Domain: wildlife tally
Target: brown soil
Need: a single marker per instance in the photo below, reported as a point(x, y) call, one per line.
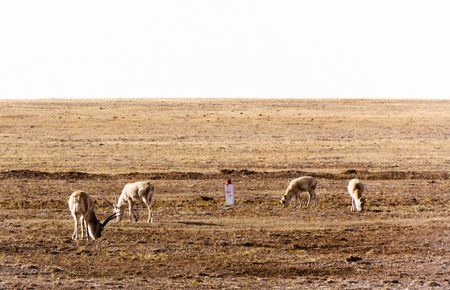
point(188, 148)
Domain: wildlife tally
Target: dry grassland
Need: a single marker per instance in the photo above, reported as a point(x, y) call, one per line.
point(401, 149)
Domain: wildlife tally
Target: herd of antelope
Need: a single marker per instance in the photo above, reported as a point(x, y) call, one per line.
point(82, 208)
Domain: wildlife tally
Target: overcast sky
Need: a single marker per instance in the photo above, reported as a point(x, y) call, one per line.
point(270, 49)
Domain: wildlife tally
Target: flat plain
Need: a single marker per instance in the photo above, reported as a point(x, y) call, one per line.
point(400, 149)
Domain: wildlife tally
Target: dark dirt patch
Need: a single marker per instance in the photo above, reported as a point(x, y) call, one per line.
point(224, 174)
point(353, 259)
point(198, 223)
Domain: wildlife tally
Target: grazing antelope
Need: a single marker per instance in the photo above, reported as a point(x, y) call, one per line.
point(356, 189)
point(81, 207)
point(297, 186)
point(133, 192)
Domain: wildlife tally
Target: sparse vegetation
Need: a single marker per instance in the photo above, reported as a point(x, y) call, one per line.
point(400, 240)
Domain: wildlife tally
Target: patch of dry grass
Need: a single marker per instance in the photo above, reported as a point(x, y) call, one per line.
point(208, 135)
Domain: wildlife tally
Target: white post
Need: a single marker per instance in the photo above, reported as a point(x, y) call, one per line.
point(229, 193)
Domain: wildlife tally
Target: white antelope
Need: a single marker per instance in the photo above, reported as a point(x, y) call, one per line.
point(297, 186)
point(133, 192)
point(81, 207)
point(356, 189)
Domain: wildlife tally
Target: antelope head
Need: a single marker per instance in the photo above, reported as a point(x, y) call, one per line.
point(95, 230)
point(285, 200)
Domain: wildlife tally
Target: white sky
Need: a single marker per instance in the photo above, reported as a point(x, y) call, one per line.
point(191, 48)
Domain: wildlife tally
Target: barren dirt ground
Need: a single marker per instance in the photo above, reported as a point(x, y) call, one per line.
point(401, 149)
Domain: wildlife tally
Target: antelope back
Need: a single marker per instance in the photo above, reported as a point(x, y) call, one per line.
point(81, 202)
